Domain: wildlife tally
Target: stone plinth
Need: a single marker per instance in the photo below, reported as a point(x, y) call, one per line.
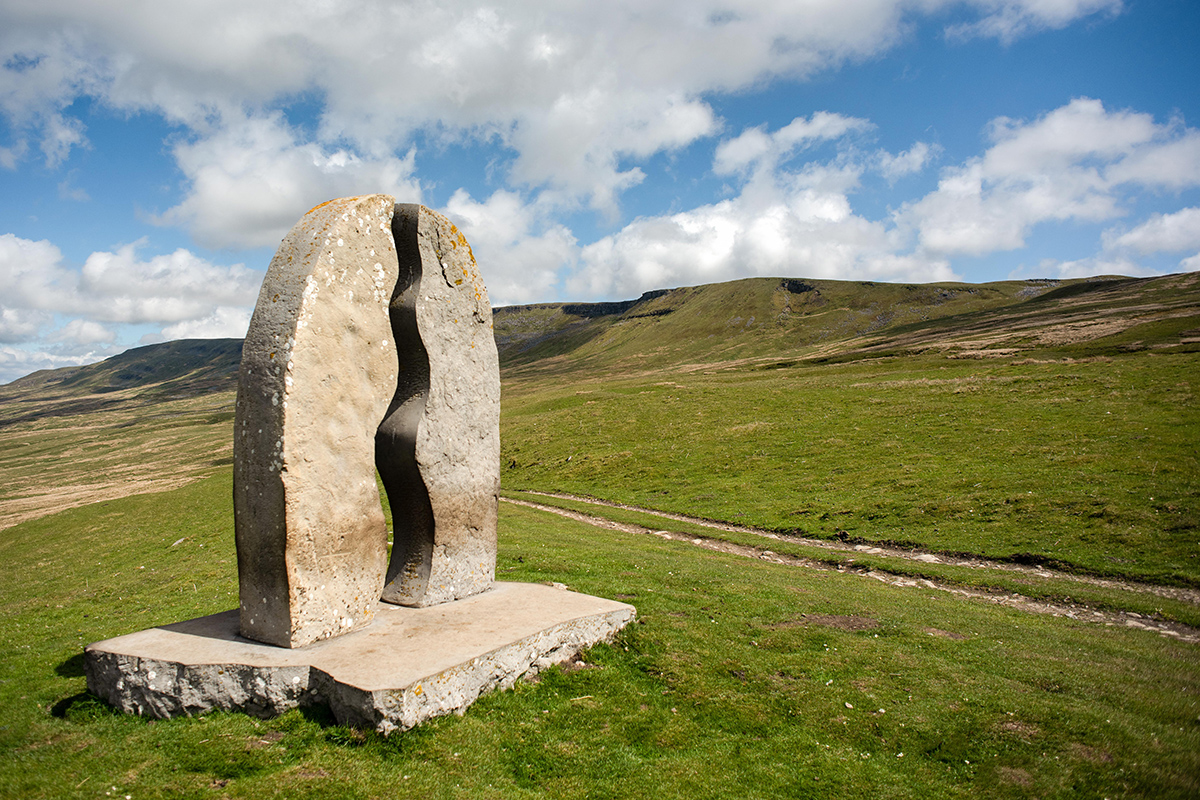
point(408, 665)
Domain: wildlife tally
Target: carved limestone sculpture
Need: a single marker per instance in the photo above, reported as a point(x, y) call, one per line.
point(370, 345)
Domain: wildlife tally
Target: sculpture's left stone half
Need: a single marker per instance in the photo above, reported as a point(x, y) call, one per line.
point(318, 373)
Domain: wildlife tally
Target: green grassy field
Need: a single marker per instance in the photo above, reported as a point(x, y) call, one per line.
point(1090, 465)
point(740, 679)
point(1057, 432)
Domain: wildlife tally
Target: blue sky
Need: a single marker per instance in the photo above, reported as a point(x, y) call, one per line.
point(152, 155)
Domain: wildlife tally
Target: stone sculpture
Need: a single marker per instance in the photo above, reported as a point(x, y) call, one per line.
point(371, 344)
point(371, 347)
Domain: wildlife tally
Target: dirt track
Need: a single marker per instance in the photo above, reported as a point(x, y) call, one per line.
point(1075, 611)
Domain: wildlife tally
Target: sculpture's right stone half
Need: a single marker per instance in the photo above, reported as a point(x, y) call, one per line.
point(438, 447)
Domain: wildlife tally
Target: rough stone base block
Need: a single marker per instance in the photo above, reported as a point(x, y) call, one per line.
point(409, 665)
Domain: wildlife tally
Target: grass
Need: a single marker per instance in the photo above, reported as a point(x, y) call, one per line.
point(741, 678)
point(117, 444)
point(1087, 465)
point(999, 581)
point(952, 419)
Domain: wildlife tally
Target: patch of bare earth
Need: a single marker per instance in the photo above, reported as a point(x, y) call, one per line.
point(1015, 776)
point(944, 634)
point(842, 622)
point(14, 511)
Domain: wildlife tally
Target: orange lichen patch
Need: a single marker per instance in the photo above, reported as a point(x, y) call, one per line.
point(320, 205)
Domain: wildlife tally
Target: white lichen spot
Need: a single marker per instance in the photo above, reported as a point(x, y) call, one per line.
point(341, 243)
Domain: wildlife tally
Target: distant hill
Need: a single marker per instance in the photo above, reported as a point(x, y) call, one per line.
point(142, 375)
point(770, 321)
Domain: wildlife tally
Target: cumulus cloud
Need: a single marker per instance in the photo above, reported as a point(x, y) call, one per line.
point(1073, 163)
point(21, 324)
point(571, 89)
point(1161, 233)
point(170, 288)
point(251, 179)
point(786, 220)
point(225, 322)
point(755, 148)
point(909, 162)
point(1095, 265)
point(1077, 163)
point(518, 248)
point(84, 332)
point(1008, 21)
point(179, 291)
point(16, 362)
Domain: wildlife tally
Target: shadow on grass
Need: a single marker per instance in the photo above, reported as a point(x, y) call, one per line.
point(71, 668)
point(82, 707)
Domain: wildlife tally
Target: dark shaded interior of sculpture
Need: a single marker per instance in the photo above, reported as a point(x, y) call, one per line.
point(396, 437)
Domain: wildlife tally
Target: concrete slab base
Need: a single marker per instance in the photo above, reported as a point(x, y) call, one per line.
point(409, 665)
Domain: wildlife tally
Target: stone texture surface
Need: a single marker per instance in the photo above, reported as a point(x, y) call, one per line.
point(438, 449)
point(408, 665)
point(319, 369)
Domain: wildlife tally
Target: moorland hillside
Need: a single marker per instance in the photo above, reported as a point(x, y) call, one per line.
point(884, 541)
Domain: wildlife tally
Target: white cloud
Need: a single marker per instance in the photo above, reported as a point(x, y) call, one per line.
point(1171, 163)
point(21, 324)
point(116, 288)
point(1074, 163)
point(1007, 21)
point(9, 156)
point(519, 251)
point(754, 148)
point(83, 332)
point(572, 88)
point(909, 162)
point(250, 181)
point(1162, 233)
point(32, 275)
point(167, 288)
point(224, 322)
point(1096, 265)
point(16, 362)
point(59, 135)
point(784, 222)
